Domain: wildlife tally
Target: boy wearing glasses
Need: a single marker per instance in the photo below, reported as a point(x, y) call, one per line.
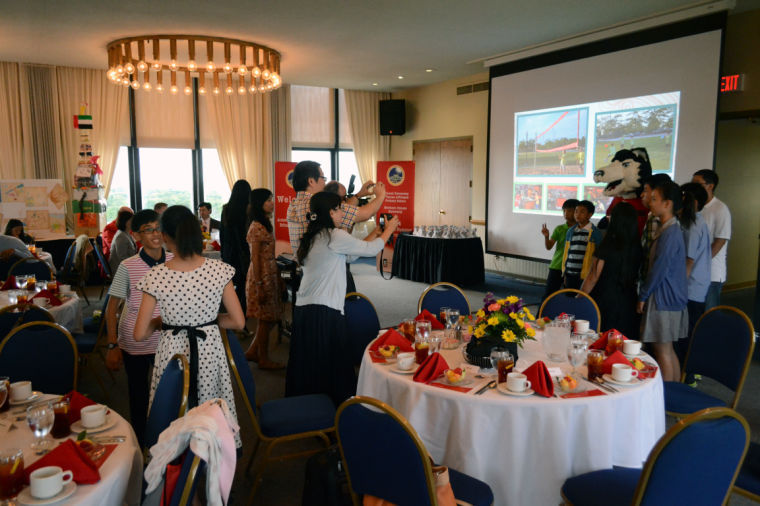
point(137, 356)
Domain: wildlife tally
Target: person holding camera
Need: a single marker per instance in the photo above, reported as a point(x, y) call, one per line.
point(320, 359)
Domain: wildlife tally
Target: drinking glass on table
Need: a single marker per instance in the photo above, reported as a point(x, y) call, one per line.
point(5, 386)
point(31, 282)
point(442, 314)
point(40, 418)
point(451, 338)
point(408, 329)
point(21, 282)
point(576, 353)
point(422, 341)
point(11, 474)
point(504, 363)
point(61, 426)
point(556, 339)
point(595, 361)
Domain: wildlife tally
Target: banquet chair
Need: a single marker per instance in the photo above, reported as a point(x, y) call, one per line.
point(575, 302)
point(361, 319)
point(17, 314)
point(443, 294)
point(169, 399)
point(43, 353)
point(721, 348)
point(280, 420)
point(748, 480)
point(39, 268)
point(87, 344)
point(384, 457)
point(191, 470)
point(66, 274)
point(105, 267)
point(695, 462)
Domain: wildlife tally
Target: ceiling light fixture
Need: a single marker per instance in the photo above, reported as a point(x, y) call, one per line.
point(429, 70)
point(400, 77)
point(257, 67)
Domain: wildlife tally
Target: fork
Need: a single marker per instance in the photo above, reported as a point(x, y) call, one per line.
point(604, 384)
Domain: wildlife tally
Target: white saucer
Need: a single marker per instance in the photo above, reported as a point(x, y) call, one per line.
point(633, 382)
point(25, 496)
point(394, 368)
point(640, 354)
point(35, 396)
point(77, 426)
point(504, 390)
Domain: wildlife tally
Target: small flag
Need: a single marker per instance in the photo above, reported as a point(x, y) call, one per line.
point(83, 122)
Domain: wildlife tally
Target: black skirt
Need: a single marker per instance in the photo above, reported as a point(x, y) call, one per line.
point(320, 360)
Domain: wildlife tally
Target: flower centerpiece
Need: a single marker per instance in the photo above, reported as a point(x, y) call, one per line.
point(499, 323)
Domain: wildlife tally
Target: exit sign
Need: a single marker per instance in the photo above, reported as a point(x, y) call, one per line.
point(733, 82)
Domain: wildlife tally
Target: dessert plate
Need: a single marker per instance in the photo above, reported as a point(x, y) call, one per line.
point(25, 496)
point(632, 382)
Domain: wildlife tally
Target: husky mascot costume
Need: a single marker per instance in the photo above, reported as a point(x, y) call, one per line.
point(625, 177)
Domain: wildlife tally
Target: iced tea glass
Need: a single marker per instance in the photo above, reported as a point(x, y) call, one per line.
point(422, 341)
point(5, 393)
point(61, 427)
point(52, 287)
point(408, 329)
point(595, 361)
point(504, 363)
point(614, 343)
point(442, 314)
point(31, 283)
point(11, 473)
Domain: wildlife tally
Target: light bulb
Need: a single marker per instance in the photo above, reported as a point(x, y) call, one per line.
point(265, 74)
point(276, 86)
point(216, 90)
point(135, 85)
point(159, 87)
point(120, 69)
point(256, 72)
point(142, 66)
point(156, 65)
point(227, 67)
point(262, 88)
point(173, 65)
point(129, 68)
point(228, 90)
point(241, 90)
point(269, 86)
point(191, 66)
point(242, 70)
point(111, 74)
point(146, 86)
point(253, 89)
point(188, 90)
point(210, 66)
point(174, 88)
point(202, 90)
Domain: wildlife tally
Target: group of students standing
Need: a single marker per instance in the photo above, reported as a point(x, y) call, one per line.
point(651, 282)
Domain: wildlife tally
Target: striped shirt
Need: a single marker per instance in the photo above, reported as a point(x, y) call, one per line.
point(298, 221)
point(577, 250)
point(123, 286)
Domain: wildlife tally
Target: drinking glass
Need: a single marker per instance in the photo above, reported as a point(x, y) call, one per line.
point(61, 426)
point(31, 283)
point(21, 282)
point(40, 418)
point(576, 353)
point(11, 474)
point(436, 339)
point(614, 343)
point(442, 314)
point(407, 328)
point(503, 361)
point(422, 341)
point(556, 339)
point(595, 361)
point(5, 387)
point(452, 340)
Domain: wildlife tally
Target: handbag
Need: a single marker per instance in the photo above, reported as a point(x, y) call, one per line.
point(443, 492)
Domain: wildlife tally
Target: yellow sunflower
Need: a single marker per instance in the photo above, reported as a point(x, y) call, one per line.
point(512, 299)
point(530, 332)
point(480, 313)
point(480, 331)
point(493, 321)
point(508, 336)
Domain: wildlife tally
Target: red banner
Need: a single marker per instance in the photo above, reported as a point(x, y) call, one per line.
point(283, 194)
point(398, 178)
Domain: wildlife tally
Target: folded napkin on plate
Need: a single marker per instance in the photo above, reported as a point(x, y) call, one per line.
point(601, 343)
point(429, 317)
point(615, 358)
point(431, 368)
point(69, 457)
point(216, 246)
point(540, 379)
point(77, 401)
point(10, 283)
point(391, 337)
point(52, 299)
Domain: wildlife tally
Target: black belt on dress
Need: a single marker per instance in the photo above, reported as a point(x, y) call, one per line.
point(194, 333)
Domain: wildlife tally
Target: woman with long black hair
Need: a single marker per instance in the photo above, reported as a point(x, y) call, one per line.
point(319, 360)
point(232, 235)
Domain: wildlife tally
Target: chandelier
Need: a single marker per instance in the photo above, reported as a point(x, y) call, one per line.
point(245, 67)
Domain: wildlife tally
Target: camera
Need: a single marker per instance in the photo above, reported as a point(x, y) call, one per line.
point(384, 217)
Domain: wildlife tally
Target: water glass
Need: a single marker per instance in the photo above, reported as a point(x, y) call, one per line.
point(556, 340)
point(576, 353)
point(40, 418)
point(452, 318)
point(422, 330)
point(21, 281)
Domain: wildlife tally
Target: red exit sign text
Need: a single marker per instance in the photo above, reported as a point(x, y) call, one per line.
point(734, 82)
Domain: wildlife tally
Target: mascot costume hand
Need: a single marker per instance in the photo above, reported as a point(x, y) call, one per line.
point(625, 177)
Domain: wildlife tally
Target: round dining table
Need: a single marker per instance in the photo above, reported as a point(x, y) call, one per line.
point(120, 475)
point(68, 314)
point(525, 447)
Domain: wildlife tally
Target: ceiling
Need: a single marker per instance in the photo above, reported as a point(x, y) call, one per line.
point(338, 43)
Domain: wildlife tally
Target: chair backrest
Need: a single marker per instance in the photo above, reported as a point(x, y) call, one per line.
point(169, 400)
point(43, 353)
point(6, 264)
point(191, 470)
point(721, 348)
point(362, 322)
point(696, 461)
point(383, 454)
point(443, 294)
point(568, 301)
point(68, 262)
point(102, 258)
point(17, 314)
point(35, 266)
point(242, 374)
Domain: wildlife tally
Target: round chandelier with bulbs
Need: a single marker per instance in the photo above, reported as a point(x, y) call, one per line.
point(221, 65)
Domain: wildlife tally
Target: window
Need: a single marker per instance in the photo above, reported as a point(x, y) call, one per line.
point(119, 193)
point(166, 175)
point(216, 190)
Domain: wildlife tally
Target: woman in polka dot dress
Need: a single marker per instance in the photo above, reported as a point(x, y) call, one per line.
point(189, 289)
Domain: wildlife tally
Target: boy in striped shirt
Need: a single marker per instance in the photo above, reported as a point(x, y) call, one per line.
point(137, 356)
point(580, 243)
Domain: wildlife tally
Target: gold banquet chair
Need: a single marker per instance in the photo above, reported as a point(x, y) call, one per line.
point(575, 302)
point(443, 294)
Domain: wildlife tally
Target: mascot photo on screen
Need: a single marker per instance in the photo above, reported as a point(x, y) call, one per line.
point(625, 177)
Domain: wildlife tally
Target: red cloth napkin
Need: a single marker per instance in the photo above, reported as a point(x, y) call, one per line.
point(216, 246)
point(601, 343)
point(69, 457)
point(588, 393)
point(391, 337)
point(428, 316)
point(10, 283)
point(540, 379)
point(52, 299)
point(77, 401)
point(615, 358)
point(431, 368)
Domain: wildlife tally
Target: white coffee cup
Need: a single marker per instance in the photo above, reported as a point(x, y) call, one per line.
point(405, 360)
point(93, 416)
point(631, 347)
point(48, 481)
point(517, 382)
point(21, 390)
point(40, 301)
point(64, 288)
point(581, 326)
point(623, 373)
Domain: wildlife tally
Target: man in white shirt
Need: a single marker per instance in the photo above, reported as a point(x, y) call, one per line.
point(206, 221)
point(718, 219)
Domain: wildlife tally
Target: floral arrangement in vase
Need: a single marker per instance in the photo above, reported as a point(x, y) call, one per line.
point(499, 323)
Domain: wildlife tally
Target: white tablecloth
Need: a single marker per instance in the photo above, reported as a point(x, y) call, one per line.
point(212, 254)
point(524, 447)
point(69, 314)
point(120, 475)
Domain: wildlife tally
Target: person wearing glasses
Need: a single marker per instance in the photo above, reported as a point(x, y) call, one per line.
point(137, 357)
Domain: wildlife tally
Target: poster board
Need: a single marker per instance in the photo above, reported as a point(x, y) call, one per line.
point(39, 203)
point(283, 194)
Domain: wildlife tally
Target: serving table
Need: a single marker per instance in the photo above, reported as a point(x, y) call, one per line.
point(430, 260)
point(120, 475)
point(523, 447)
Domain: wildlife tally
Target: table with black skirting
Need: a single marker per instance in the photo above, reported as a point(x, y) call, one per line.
point(430, 260)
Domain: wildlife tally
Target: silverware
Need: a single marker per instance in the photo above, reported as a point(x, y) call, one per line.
point(490, 384)
point(603, 384)
point(599, 385)
point(109, 439)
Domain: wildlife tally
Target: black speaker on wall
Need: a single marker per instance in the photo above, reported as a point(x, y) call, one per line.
point(392, 117)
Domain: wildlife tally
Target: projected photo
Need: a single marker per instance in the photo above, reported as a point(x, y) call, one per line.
point(593, 193)
point(551, 143)
point(527, 196)
point(556, 195)
point(650, 127)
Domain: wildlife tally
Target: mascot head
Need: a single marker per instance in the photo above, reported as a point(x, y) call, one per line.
point(625, 174)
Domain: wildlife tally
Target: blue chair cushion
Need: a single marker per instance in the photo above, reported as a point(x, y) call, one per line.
point(602, 488)
point(681, 398)
point(749, 475)
point(292, 415)
point(469, 489)
point(85, 342)
point(91, 324)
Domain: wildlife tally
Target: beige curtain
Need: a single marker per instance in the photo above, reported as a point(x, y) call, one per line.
point(364, 119)
point(241, 126)
point(281, 140)
point(16, 159)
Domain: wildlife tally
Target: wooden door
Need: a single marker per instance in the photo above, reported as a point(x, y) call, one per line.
point(443, 171)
